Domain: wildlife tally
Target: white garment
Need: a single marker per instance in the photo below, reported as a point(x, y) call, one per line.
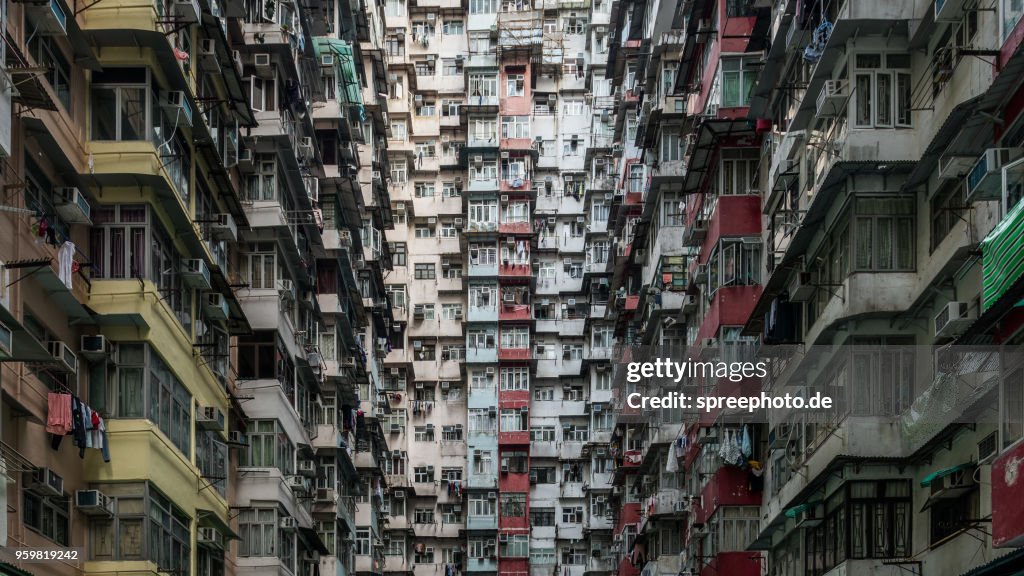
point(65, 256)
point(672, 465)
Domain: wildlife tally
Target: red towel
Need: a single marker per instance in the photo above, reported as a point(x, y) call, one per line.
point(58, 420)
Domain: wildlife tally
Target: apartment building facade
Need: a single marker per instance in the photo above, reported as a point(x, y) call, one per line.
point(188, 263)
point(836, 174)
point(501, 180)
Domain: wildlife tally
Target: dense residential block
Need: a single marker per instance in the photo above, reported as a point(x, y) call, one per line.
point(345, 288)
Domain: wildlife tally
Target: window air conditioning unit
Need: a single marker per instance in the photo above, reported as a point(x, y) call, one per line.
point(261, 60)
point(195, 273)
point(432, 220)
point(307, 468)
point(478, 160)
point(327, 60)
point(396, 429)
point(984, 180)
point(681, 506)
point(224, 227)
point(175, 103)
point(289, 524)
point(504, 154)
point(296, 483)
point(210, 418)
point(504, 198)
point(833, 94)
point(802, 290)
point(954, 167)
point(237, 437)
point(446, 385)
point(93, 347)
point(987, 449)
point(216, 306)
point(210, 538)
point(187, 10)
point(245, 159)
point(208, 61)
point(44, 482)
point(400, 495)
point(458, 223)
point(953, 319)
point(72, 205)
point(63, 356)
point(93, 503)
point(325, 495)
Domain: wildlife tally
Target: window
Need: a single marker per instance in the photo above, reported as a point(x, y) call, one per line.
point(513, 505)
point(121, 107)
point(883, 234)
point(424, 271)
point(483, 6)
point(212, 460)
point(573, 107)
point(637, 178)
point(515, 126)
point(453, 28)
point(864, 519)
point(672, 146)
point(514, 420)
point(517, 378)
point(542, 516)
point(423, 474)
point(398, 131)
point(738, 76)
point(399, 171)
point(481, 547)
point(423, 516)
point(515, 545)
point(515, 461)
point(483, 296)
point(483, 86)
point(263, 94)
point(882, 90)
point(738, 173)
point(575, 432)
point(47, 516)
point(398, 254)
point(50, 57)
point(483, 463)
point(574, 556)
point(395, 546)
point(452, 433)
point(517, 337)
point(1012, 401)
point(951, 516)
point(735, 263)
point(424, 190)
point(424, 434)
point(484, 171)
point(451, 311)
point(269, 447)
point(541, 434)
point(148, 526)
point(146, 386)
point(515, 85)
point(481, 505)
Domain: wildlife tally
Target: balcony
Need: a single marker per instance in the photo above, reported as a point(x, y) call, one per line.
point(514, 269)
point(515, 228)
point(482, 564)
point(483, 185)
point(514, 353)
point(481, 355)
point(478, 270)
point(482, 314)
point(515, 437)
point(516, 184)
point(509, 311)
point(482, 523)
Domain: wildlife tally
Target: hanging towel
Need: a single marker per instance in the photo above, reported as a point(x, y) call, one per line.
point(672, 465)
point(58, 419)
point(65, 257)
point(745, 447)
